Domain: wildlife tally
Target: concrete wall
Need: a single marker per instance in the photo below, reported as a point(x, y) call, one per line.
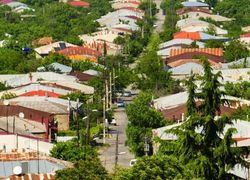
point(18, 142)
point(63, 122)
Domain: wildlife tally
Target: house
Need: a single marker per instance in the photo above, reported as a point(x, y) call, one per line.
point(16, 80)
point(59, 108)
point(35, 122)
point(42, 41)
point(96, 41)
point(57, 67)
point(182, 12)
point(109, 23)
point(44, 51)
point(80, 53)
point(176, 44)
point(173, 107)
point(189, 4)
point(70, 86)
point(234, 75)
point(92, 72)
point(78, 3)
point(242, 132)
point(125, 3)
point(183, 71)
point(127, 18)
point(36, 89)
point(195, 25)
point(181, 56)
point(29, 162)
point(198, 13)
point(240, 63)
point(245, 39)
point(246, 29)
point(82, 77)
point(198, 36)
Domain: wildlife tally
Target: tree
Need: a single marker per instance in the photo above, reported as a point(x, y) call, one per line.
point(208, 153)
point(142, 119)
point(155, 167)
point(214, 44)
point(235, 50)
point(151, 73)
point(90, 169)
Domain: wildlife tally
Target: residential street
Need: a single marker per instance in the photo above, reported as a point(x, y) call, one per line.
point(159, 16)
point(107, 155)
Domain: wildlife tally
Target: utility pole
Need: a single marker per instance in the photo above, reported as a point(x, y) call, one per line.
point(77, 121)
point(116, 148)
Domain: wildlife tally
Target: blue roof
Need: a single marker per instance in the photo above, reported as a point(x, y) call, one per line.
point(205, 36)
point(194, 4)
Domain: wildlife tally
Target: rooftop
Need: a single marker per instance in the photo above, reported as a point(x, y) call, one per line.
point(212, 51)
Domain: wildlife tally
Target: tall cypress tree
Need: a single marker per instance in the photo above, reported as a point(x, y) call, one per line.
point(203, 146)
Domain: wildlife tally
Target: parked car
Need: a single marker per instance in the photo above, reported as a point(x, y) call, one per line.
point(120, 103)
point(127, 94)
point(132, 162)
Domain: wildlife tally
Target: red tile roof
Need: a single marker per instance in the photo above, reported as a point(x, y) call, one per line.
point(79, 4)
point(187, 35)
point(79, 51)
point(41, 93)
point(212, 51)
point(245, 35)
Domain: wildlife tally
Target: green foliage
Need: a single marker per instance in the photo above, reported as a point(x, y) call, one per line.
point(171, 19)
point(211, 29)
point(142, 118)
point(214, 44)
point(154, 167)
point(3, 86)
point(58, 20)
point(206, 154)
point(151, 73)
point(8, 95)
point(69, 151)
point(236, 9)
point(235, 50)
point(242, 113)
point(241, 90)
point(56, 58)
point(90, 169)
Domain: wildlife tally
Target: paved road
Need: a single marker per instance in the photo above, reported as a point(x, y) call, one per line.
point(107, 155)
point(160, 17)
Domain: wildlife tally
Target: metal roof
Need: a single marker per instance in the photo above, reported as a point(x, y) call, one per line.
point(194, 4)
point(238, 62)
point(15, 80)
point(186, 69)
point(45, 166)
point(63, 68)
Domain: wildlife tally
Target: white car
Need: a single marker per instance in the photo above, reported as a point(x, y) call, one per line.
point(132, 162)
point(113, 122)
